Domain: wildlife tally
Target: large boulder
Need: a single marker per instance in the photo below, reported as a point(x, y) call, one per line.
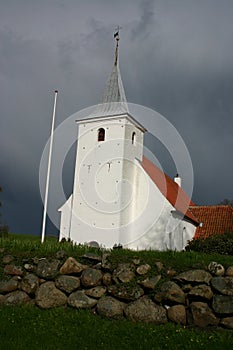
point(177, 314)
point(143, 269)
point(91, 277)
point(110, 307)
point(72, 266)
point(80, 300)
point(30, 283)
point(194, 276)
point(48, 296)
point(13, 270)
point(227, 322)
point(47, 269)
point(144, 310)
point(223, 285)
point(202, 315)
point(201, 291)
point(124, 273)
point(67, 284)
point(223, 304)
point(229, 271)
point(170, 293)
point(8, 286)
point(16, 298)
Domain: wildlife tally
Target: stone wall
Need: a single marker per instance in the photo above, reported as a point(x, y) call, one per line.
point(199, 297)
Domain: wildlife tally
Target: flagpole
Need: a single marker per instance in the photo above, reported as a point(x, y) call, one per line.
point(48, 170)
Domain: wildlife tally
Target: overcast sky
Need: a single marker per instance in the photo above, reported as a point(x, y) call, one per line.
point(176, 56)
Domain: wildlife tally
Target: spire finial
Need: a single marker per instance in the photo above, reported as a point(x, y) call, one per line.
point(117, 38)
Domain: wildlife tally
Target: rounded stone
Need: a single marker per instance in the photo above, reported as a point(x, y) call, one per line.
point(72, 266)
point(216, 269)
point(67, 284)
point(30, 283)
point(91, 277)
point(110, 307)
point(16, 298)
point(227, 322)
point(29, 267)
point(144, 310)
point(229, 271)
point(124, 273)
point(172, 293)
point(223, 304)
point(143, 269)
point(47, 269)
point(48, 296)
point(194, 276)
point(8, 286)
point(177, 314)
point(223, 285)
point(202, 315)
point(80, 300)
point(7, 259)
point(201, 291)
point(13, 270)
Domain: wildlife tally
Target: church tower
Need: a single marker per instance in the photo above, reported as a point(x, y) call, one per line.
point(105, 191)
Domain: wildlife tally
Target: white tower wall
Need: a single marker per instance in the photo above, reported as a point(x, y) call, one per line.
point(104, 179)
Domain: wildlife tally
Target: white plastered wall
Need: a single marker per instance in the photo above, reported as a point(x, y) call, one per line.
point(101, 180)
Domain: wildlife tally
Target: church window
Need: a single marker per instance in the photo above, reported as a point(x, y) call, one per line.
point(101, 134)
point(133, 138)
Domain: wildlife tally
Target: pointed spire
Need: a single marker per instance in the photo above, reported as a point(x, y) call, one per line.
point(114, 99)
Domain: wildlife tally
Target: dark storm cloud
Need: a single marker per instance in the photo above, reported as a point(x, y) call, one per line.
point(176, 57)
point(143, 27)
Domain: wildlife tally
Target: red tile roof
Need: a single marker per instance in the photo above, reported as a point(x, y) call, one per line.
point(170, 189)
point(214, 219)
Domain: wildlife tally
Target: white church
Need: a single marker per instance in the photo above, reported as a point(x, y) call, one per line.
point(120, 198)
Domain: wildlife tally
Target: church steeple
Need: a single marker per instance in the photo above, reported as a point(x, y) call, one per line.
point(114, 99)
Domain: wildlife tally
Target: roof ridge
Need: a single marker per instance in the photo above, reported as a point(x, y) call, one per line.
point(212, 206)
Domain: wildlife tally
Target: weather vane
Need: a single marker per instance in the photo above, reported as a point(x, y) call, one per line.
point(117, 33)
point(117, 37)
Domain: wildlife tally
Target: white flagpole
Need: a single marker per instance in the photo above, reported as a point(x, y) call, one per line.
point(48, 170)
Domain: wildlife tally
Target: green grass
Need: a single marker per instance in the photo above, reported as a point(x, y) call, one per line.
point(27, 246)
point(25, 327)
point(30, 246)
point(63, 328)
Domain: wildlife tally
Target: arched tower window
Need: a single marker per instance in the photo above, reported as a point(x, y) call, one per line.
point(133, 138)
point(101, 134)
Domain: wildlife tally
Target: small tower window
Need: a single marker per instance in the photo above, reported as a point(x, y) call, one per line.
point(101, 134)
point(133, 138)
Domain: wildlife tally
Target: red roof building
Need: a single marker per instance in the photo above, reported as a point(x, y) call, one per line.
point(214, 219)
